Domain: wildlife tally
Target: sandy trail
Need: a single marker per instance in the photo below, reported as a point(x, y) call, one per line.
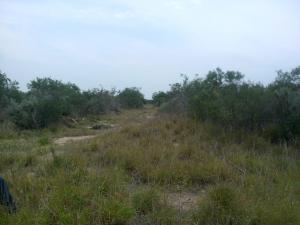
point(64, 140)
point(140, 119)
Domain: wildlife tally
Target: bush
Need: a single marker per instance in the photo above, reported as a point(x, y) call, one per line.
point(9, 93)
point(46, 102)
point(99, 101)
point(227, 100)
point(131, 98)
point(159, 98)
point(49, 100)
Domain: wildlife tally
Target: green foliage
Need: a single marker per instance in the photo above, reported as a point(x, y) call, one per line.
point(159, 98)
point(9, 94)
point(227, 100)
point(44, 141)
point(99, 101)
point(131, 98)
point(49, 100)
point(46, 102)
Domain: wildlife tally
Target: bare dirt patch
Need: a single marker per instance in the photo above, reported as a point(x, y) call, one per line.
point(184, 201)
point(64, 140)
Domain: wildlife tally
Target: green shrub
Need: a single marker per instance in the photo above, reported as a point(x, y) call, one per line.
point(9, 94)
point(98, 101)
point(131, 98)
point(238, 105)
point(46, 102)
point(159, 98)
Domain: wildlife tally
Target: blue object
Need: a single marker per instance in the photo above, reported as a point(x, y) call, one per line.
point(5, 197)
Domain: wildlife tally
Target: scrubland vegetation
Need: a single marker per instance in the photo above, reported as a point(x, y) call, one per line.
point(217, 151)
point(49, 101)
point(227, 100)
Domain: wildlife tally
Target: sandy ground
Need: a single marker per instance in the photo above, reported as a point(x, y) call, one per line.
point(183, 201)
point(64, 140)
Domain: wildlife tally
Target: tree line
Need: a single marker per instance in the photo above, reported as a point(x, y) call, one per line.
point(227, 99)
point(223, 98)
point(48, 100)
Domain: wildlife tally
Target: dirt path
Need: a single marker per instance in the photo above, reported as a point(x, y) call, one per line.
point(64, 140)
point(136, 117)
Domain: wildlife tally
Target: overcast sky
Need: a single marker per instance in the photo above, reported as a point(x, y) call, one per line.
point(146, 43)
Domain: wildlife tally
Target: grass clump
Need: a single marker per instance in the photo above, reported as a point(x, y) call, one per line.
point(44, 141)
point(112, 181)
point(151, 208)
point(223, 206)
point(115, 212)
point(146, 200)
point(284, 212)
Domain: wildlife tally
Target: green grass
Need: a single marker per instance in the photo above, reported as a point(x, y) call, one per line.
point(125, 176)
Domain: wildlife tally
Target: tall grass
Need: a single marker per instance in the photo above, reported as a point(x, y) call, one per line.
point(125, 176)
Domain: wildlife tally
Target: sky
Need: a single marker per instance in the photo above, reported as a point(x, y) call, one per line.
point(146, 43)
